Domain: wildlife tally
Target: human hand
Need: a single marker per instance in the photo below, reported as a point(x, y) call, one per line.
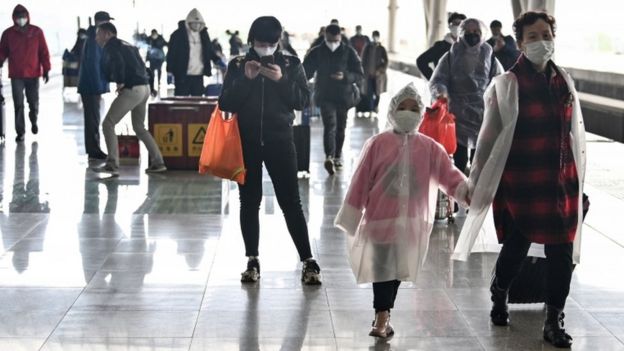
point(252, 69)
point(337, 76)
point(46, 77)
point(273, 72)
point(500, 43)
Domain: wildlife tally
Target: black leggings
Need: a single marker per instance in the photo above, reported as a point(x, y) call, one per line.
point(558, 260)
point(460, 158)
point(281, 163)
point(385, 294)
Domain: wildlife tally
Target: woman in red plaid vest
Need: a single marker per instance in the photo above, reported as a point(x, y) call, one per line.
point(530, 166)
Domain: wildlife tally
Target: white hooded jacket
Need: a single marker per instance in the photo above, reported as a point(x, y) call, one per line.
point(196, 61)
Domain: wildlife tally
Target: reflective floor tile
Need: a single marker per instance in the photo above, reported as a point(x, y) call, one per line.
point(264, 299)
point(264, 343)
point(530, 322)
point(127, 324)
point(21, 344)
point(142, 300)
point(34, 323)
point(407, 300)
point(33, 299)
point(254, 323)
point(532, 343)
point(408, 343)
point(116, 344)
point(614, 322)
point(356, 324)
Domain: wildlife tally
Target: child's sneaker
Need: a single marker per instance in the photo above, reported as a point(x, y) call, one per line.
point(252, 273)
point(311, 272)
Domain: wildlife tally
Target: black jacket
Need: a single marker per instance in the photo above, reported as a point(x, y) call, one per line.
point(432, 55)
point(178, 54)
point(264, 107)
point(509, 54)
point(324, 63)
point(122, 64)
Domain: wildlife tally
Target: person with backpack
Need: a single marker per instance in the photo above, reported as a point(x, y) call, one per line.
point(462, 75)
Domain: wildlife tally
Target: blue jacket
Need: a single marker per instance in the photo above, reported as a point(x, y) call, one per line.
point(91, 79)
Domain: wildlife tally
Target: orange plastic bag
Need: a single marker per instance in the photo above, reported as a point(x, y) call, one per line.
point(222, 153)
point(439, 124)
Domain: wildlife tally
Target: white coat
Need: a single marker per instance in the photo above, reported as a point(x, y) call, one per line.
point(493, 145)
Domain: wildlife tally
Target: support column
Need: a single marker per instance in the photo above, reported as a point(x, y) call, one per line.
point(542, 5)
point(437, 20)
point(519, 6)
point(392, 12)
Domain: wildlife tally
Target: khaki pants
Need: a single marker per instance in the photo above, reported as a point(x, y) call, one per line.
point(135, 100)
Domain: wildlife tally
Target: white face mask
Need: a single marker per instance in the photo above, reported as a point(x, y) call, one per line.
point(454, 30)
point(406, 121)
point(21, 21)
point(265, 51)
point(332, 45)
point(539, 52)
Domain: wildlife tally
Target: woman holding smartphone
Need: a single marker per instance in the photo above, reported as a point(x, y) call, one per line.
point(264, 87)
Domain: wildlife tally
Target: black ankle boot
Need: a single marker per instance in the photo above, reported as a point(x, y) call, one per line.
point(500, 311)
point(553, 328)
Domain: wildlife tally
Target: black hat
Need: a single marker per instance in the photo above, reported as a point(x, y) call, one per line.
point(102, 16)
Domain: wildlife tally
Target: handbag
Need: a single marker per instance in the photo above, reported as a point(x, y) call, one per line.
point(353, 95)
point(222, 152)
point(439, 124)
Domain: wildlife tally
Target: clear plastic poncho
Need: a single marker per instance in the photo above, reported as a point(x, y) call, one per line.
point(463, 74)
point(388, 212)
point(495, 139)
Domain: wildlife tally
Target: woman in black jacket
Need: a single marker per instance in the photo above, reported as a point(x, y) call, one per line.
point(264, 96)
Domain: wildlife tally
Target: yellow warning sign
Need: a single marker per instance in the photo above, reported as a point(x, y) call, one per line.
point(169, 138)
point(196, 135)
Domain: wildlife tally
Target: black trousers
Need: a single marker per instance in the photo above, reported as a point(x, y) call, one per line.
point(31, 87)
point(189, 85)
point(156, 65)
point(460, 158)
point(334, 124)
point(385, 294)
point(280, 160)
point(558, 261)
point(91, 105)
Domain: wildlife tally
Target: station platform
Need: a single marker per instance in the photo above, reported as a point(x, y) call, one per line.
point(153, 262)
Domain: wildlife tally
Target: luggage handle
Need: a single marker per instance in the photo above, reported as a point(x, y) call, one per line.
point(183, 108)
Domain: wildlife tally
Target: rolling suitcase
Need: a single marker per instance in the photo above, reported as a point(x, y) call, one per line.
point(530, 285)
point(301, 135)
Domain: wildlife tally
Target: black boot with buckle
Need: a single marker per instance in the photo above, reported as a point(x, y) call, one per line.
point(553, 328)
point(500, 311)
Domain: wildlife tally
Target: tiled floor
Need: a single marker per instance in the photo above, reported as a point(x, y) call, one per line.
point(153, 262)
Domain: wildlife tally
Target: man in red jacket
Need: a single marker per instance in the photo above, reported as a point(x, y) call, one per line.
point(25, 47)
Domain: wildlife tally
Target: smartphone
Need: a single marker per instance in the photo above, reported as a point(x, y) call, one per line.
point(266, 60)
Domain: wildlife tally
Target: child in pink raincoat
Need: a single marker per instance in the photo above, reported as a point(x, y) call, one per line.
point(389, 209)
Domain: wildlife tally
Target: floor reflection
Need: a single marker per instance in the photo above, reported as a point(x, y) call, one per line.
point(26, 192)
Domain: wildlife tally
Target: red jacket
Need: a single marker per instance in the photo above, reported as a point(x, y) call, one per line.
point(25, 48)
